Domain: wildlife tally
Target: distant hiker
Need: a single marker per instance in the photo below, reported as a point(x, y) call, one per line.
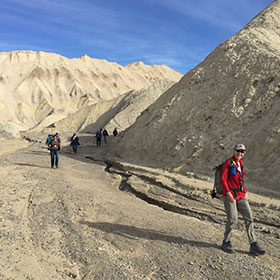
point(54, 148)
point(235, 200)
point(48, 141)
point(98, 137)
point(58, 137)
point(105, 134)
point(74, 142)
point(49, 138)
point(115, 132)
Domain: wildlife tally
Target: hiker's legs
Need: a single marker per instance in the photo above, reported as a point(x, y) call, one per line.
point(244, 209)
point(56, 157)
point(75, 148)
point(52, 157)
point(231, 212)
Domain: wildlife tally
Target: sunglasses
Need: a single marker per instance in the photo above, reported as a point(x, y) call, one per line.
point(240, 151)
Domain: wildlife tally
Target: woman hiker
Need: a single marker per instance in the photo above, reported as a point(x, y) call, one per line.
point(235, 200)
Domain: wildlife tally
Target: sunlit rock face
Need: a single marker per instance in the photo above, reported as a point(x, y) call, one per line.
point(38, 88)
point(120, 112)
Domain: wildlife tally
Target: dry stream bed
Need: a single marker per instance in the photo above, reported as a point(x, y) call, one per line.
point(98, 218)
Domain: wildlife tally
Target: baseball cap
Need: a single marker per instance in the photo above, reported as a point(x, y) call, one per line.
point(239, 147)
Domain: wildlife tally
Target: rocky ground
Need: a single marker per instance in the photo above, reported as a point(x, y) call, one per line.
point(98, 218)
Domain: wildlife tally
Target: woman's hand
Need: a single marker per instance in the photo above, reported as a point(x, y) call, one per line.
point(230, 197)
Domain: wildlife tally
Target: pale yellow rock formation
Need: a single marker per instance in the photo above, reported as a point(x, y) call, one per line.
point(35, 85)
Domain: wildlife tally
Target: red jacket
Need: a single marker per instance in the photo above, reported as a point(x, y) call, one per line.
point(231, 179)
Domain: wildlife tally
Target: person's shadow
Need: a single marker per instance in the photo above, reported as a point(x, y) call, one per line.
point(31, 165)
point(132, 232)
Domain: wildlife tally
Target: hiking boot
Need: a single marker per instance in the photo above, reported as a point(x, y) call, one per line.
point(227, 247)
point(256, 249)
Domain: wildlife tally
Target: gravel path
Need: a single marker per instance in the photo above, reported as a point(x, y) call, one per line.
point(81, 222)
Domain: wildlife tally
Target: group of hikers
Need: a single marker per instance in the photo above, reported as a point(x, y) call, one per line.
point(232, 182)
point(103, 133)
point(53, 143)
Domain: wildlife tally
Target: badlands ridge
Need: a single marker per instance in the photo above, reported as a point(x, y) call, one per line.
point(38, 88)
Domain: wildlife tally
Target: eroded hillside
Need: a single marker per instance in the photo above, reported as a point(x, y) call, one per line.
point(41, 88)
point(120, 112)
point(232, 96)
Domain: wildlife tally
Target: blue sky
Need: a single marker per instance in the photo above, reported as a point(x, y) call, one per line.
point(178, 33)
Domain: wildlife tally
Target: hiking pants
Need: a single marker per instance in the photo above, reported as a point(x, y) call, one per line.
point(75, 148)
point(242, 206)
point(98, 141)
point(54, 154)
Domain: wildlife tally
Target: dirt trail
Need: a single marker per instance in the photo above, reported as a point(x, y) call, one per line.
point(81, 222)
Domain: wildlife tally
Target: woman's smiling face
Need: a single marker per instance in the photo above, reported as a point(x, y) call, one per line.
point(239, 154)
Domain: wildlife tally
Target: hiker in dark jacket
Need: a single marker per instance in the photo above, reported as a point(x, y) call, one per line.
point(74, 142)
point(105, 134)
point(115, 132)
point(54, 148)
point(235, 200)
point(98, 137)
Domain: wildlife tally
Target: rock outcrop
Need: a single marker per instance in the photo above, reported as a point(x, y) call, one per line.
point(120, 112)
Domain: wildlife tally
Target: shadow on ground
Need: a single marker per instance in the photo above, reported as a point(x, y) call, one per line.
point(32, 165)
point(132, 232)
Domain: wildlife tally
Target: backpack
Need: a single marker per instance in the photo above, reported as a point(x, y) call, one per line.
point(218, 188)
point(54, 145)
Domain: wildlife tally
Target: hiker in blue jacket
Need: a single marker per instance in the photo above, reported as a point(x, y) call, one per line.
point(49, 138)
